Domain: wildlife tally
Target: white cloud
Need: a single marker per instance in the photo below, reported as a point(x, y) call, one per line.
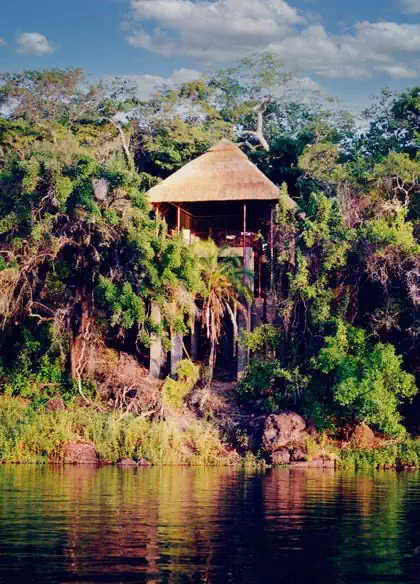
point(2, 42)
point(209, 31)
point(225, 30)
point(411, 5)
point(33, 43)
point(398, 71)
point(372, 48)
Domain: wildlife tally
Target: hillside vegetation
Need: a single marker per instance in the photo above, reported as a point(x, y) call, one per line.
point(83, 260)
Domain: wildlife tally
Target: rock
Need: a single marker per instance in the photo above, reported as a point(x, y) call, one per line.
point(79, 452)
point(55, 404)
point(127, 462)
point(254, 431)
point(283, 429)
point(311, 430)
point(363, 437)
point(298, 454)
point(144, 462)
point(281, 456)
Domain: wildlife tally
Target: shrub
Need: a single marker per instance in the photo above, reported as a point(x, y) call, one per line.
point(368, 380)
point(268, 380)
point(176, 390)
point(29, 434)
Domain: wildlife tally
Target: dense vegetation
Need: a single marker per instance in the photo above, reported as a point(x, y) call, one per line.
point(83, 260)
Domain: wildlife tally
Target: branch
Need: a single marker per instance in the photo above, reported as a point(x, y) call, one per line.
point(124, 144)
point(259, 110)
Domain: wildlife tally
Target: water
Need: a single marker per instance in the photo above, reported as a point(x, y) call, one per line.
point(206, 525)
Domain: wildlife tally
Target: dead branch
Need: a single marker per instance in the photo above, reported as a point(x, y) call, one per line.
point(259, 110)
point(124, 144)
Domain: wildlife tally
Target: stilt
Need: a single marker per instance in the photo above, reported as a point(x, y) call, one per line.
point(194, 341)
point(156, 346)
point(242, 349)
point(176, 352)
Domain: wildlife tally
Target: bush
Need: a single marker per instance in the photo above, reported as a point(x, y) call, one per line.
point(176, 390)
point(392, 455)
point(265, 379)
point(29, 434)
point(368, 380)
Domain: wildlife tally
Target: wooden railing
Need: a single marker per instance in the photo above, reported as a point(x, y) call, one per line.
point(225, 237)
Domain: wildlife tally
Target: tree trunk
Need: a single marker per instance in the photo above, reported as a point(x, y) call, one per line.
point(79, 323)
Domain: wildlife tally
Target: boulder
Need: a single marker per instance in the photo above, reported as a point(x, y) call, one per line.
point(363, 437)
point(298, 453)
point(254, 431)
point(144, 462)
point(323, 461)
point(283, 429)
point(55, 404)
point(79, 452)
point(311, 429)
point(127, 462)
point(281, 456)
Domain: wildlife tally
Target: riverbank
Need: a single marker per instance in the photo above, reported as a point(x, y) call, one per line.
point(71, 434)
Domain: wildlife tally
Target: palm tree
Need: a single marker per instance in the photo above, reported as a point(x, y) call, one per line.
point(224, 291)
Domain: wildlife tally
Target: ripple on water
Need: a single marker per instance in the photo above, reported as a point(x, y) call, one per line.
point(179, 525)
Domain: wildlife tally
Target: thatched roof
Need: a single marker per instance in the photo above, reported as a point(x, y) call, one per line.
point(224, 173)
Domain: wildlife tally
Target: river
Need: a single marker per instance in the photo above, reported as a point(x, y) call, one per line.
point(208, 525)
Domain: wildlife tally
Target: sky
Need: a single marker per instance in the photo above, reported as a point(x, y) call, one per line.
point(350, 49)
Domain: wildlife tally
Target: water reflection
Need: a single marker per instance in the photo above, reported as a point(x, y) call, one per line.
point(176, 525)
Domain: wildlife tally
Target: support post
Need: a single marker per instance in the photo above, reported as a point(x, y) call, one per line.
point(244, 238)
point(178, 218)
point(272, 248)
point(194, 341)
point(176, 352)
point(156, 345)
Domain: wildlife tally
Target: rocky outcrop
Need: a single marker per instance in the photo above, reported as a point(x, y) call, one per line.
point(324, 461)
point(363, 437)
point(79, 452)
point(286, 428)
point(298, 453)
point(127, 462)
point(281, 456)
point(284, 440)
point(144, 462)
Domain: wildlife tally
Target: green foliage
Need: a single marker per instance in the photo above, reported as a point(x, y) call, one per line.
point(176, 390)
point(34, 435)
point(263, 340)
point(267, 380)
point(82, 255)
point(368, 379)
point(127, 308)
point(402, 454)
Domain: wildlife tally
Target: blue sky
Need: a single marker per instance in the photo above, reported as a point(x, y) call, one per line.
point(350, 49)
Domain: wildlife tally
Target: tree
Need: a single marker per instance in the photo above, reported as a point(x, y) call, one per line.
point(369, 381)
point(223, 292)
point(78, 242)
point(394, 124)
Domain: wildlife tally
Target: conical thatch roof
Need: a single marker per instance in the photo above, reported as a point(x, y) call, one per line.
point(224, 173)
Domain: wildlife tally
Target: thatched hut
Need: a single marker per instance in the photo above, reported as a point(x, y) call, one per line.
point(223, 174)
point(222, 195)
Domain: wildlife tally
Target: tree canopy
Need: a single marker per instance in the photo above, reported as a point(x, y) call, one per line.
point(83, 259)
